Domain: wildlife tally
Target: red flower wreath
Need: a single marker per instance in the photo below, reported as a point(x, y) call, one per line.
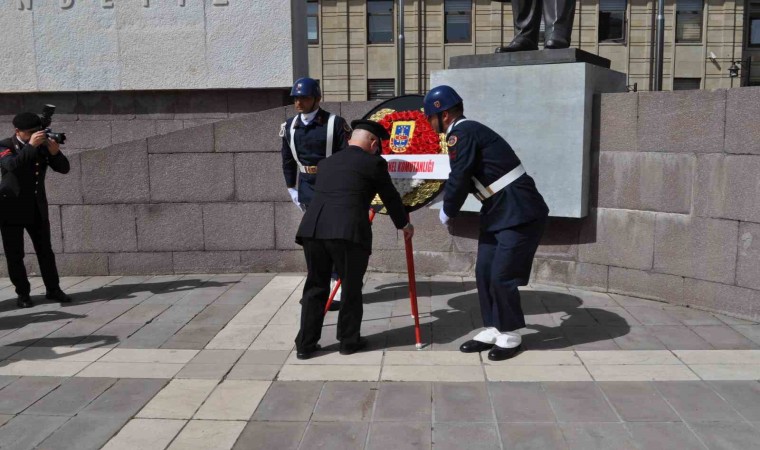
point(425, 140)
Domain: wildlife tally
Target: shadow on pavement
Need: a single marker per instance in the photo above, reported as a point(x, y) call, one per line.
point(554, 320)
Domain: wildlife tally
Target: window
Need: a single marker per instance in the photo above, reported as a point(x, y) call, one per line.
point(752, 71)
point(753, 28)
point(381, 89)
point(685, 84)
point(379, 21)
point(688, 20)
point(458, 20)
point(612, 20)
point(312, 21)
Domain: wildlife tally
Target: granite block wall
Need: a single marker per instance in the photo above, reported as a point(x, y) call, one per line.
point(675, 211)
point(93, 120)
point(677, 214)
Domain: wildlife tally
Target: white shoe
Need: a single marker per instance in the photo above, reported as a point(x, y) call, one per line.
point(508, 339)
point(487, 336)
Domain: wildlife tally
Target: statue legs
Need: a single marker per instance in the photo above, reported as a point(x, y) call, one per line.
point(527, 17)
point(558, 17)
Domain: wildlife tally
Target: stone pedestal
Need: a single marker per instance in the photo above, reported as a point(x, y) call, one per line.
point(542, 103)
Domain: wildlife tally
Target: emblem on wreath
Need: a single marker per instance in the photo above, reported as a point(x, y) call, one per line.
point(411, 134)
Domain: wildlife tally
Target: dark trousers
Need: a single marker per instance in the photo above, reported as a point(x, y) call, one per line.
point(350, 261)
point(504, 262)
point(334, 274)
point(13, 243)
point(558, 17)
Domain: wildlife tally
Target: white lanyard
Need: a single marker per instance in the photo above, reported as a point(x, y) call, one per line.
point(330, 137)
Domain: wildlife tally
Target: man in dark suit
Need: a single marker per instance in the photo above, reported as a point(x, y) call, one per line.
point(336, 230)
point(307, 138)
point(24, 159)
point(512, 218)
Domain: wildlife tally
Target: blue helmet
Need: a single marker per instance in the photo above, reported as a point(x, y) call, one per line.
point(306, 87)
point(440, 99)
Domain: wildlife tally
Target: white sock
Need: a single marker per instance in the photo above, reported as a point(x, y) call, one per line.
point(487, 336)
point(508, 339)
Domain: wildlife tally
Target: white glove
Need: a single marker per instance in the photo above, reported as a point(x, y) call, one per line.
point(294, 196)
point(443, 217)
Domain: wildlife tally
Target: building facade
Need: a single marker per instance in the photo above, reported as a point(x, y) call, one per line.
point(352, 43)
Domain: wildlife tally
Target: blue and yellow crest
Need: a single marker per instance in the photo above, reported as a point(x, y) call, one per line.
point(401, 134)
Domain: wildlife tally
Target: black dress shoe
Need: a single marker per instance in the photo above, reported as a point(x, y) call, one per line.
point(518, 46)
point(555, 43)
point(24, 301)
point(501, 353)
point(58, 295)
point(334, 306)
point(473, 346)
point(348, 349)
point(307, 352)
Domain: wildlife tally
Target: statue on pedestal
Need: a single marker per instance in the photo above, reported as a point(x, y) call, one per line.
point(558, 19)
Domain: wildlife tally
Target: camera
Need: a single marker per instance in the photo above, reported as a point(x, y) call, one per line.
point(47, 118)
point(58, 137)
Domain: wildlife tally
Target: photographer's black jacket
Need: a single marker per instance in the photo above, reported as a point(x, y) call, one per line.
point(22, 188)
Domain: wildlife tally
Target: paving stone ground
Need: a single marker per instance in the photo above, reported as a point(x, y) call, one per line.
point(207, 362)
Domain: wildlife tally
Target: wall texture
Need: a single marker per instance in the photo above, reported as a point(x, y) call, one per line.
point(675, 210)
point(678, 216)
point(98, 119)
point(106, 45)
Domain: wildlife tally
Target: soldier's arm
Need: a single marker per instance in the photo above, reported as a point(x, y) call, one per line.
point(25, 157)
point(58, 162)
point(389, 195)
point(462, 157)
point(342, 133)
point(289, 166)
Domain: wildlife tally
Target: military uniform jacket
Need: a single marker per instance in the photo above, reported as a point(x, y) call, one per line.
point(311, 147)
point(22, 187)
point(347, 183)
point(477, 151)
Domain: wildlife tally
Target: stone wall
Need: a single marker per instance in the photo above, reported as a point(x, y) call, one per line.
point(99, 119)
point(678, 203)
point(675, 210)
point(106, 45)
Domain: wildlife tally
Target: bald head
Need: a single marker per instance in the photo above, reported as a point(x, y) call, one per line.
point(366, 140)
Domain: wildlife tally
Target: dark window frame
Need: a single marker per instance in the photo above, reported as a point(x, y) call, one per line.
point(623, 39)
point(391, 93)
point(314, 16)
point(753, 14)
point(685, 13)
point(390, 18)
point(684, 79)
point(446, 14)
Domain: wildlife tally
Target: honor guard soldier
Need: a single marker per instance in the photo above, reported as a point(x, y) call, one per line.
point(309, 137)
point(24, 159)
point(335, 231)
point(512, 218)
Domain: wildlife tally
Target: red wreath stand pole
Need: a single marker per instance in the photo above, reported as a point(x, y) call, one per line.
point(413, 291)
point(412, 287)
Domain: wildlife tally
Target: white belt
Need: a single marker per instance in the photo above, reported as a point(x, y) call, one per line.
point(328, 149)
point(488, 192)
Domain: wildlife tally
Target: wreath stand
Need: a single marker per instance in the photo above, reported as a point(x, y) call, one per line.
point(412, 287)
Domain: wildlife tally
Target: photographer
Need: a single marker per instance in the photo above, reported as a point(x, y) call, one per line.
point(24, 159)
